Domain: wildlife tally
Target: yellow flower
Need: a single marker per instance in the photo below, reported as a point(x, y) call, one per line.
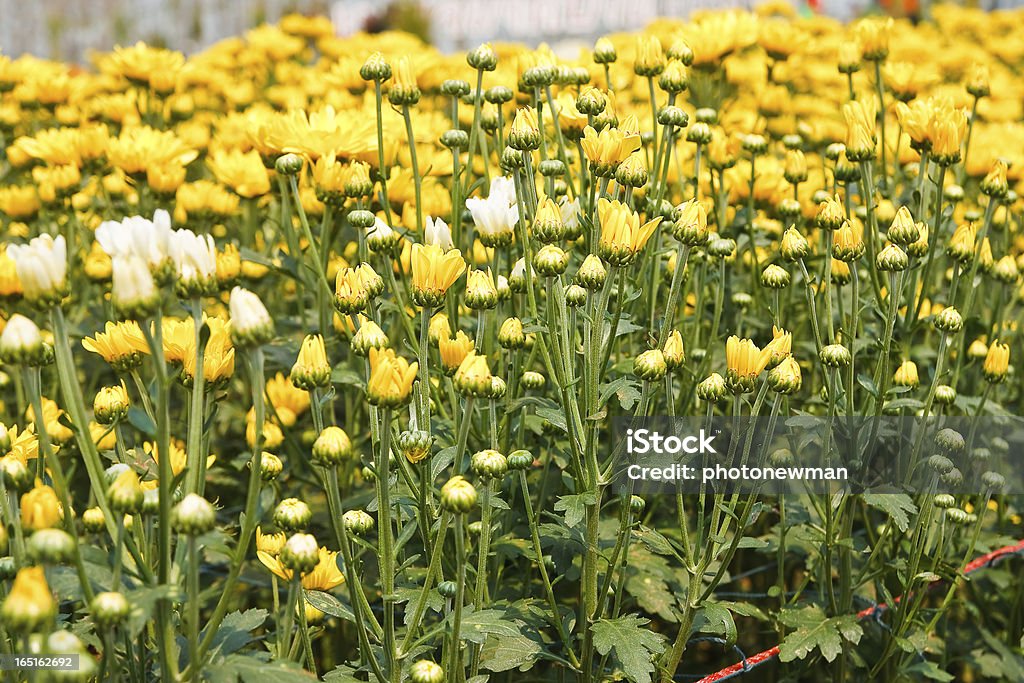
point(391, 378)
point(19, 202)
point(10, 285)
point(138, 148)
point(779, 347)
point(745, 361)
point(650, 60)
point(323, 577)
point(474, 375)
point(105, 438)
point(29, 604)
point(40, 508)
point(607, 149)
point(873, 36)
point(177, 450)
point(270, 544)
point(311, 368)
point(454, 351)
point(997, 362)
point(288, 401)
point(524, 133)
point(906, 375)
point(52, 415)
point(434, 270)
point(673, 350)
point(622, 235)
point(243, 172)
point(860, 128)
point(145, 65)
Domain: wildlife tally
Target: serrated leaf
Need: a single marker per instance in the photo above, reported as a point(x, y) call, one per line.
point(816, 632)
point(898, 506)
point(633, 646)
point(574, 506)
point(502, 653)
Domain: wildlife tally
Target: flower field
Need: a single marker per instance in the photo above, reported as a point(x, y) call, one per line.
point(317, 354)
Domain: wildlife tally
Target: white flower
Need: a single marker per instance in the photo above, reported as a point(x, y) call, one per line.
point(250, 322)
point(498, 214)
point(195, 258)
point(148, 239)
point(437, 232)
point(570, 210)
point(132, 287)
point(42, 267)
point(519, 269)
point(21, 336)
point(504, 188)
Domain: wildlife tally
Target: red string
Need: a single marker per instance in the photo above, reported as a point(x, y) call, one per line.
point(771, 653)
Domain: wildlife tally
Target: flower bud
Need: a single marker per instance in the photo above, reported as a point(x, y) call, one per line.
point(673, 351)
point(455, 139)
point(906, 375)
point(510, 334)
point(250, 323)
point(835, 356)
point(125, 494)
point(29, 605)
point(110, 404)
point(291, 514)
point(109, 609)
point(193, 516)
point(754, 144)
point(425, 671)
point(550, 261)
point(892, 258)
point(591, 274)
point(368, 336)
point(358, 522)
point(575, 296)
point(525, 134)
point(997, 362)
point(604, 51)
point(533, 380)
point(945, 394)
point(774, 277)
point(289, 164)
point(994, 184)
point(270, 466)
point(650, 366)
point(415, 445)
point(51, 546)
point(21, 342)
point(721, 247)
point(93, 520)
point(458, 495)
point(673, 116)
point(375, 68)
point(520, 460)
point(713, 389)
point(489, 464)
point(785, 378)
point(481, 293)
point(300, 553)
point(904, 230)
point(794, 245)
point(949, 320)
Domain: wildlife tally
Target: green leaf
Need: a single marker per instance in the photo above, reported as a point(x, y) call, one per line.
point(574, 507)
point(898, 506)
point(816, 632)
point(328, 604)
point(478, 626)
point(251, 669)
point(633, 646)
point(716, 619)
point(234, 632)
point(502, 653)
